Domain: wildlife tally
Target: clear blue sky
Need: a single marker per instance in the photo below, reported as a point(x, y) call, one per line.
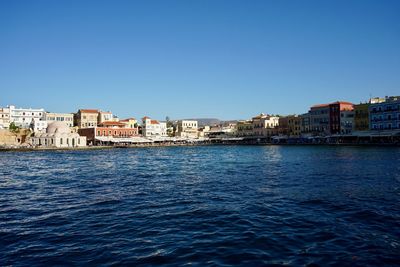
point(225, 59)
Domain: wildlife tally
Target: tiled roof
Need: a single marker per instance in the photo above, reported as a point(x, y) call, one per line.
point(89, 111)
point(112, 123)
point(320, 106)
point(154, 122)
point(342, 102)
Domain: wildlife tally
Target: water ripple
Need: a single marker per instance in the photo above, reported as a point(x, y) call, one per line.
point(216, 206)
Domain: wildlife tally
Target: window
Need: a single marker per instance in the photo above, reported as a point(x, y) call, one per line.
point(98, 133)
point(61, 141)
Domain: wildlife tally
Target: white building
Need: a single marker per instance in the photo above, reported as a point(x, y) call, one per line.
point(153, 128)
point(24, 117)
point(187, 128)
point(264, 125)
point(58, 134)
point(4, 118)
point(38, 125)
point(68, 118)
point(106, 116)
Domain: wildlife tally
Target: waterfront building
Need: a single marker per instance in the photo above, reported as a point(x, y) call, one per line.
point(108, 131)
point(105, 116)
point(319, 119)
point(222, 130)
point(283, 127)
point(346, 121)
point(333, 118)
point(130, 122)
point(38, 125)
point(153, 128)
point(305, 127)
point(340, 117)
point(230, 128)
point(26, 117)
point(68, 118)
point(203, 131)
point(4, 118)
point(294, 125)
point(58, 134)
point(244, 128)
point(187, 128)
point(361, 117)
point(385, 115)
point(265, 125)
point(86, 118)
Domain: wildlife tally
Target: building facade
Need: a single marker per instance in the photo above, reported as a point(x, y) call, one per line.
point(68, 118)
point(4, 118)
point(244, 128)
point(340, 115)
point(385, 115)
point(58, 134)
point(86, 118)
point(108, 131)
point(187, 129)
point(319, 119)
point(130, 122)
point(38, 125)
point(283, 128)
point(26, 117)
point(265, 125)
point(105, 116)
point(294, 125)
point(346, 121)
point(361, 117)
point(305, 127)
point(153, 128)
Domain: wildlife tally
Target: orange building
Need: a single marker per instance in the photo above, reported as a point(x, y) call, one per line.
point(337, 112)
point(109, 130)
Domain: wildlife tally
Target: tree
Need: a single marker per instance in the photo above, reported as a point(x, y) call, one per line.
point(169, 122)
point(13, 128)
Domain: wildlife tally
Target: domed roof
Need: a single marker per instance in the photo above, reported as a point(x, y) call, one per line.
point(58, 127)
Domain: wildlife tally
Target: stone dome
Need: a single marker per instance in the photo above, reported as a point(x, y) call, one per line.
point(58, 127)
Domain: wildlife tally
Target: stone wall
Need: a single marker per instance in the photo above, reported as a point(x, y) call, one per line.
point(8, 138)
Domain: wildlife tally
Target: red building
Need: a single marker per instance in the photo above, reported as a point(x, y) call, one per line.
point(108, 130)
point(335, 110)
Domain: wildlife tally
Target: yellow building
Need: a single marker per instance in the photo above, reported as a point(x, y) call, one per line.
point(244, 128)
point(294, 126)
point(361, 117)
point(86, 118)
point(130, 122)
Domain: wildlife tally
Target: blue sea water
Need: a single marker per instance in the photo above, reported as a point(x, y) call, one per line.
point(201, 206)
